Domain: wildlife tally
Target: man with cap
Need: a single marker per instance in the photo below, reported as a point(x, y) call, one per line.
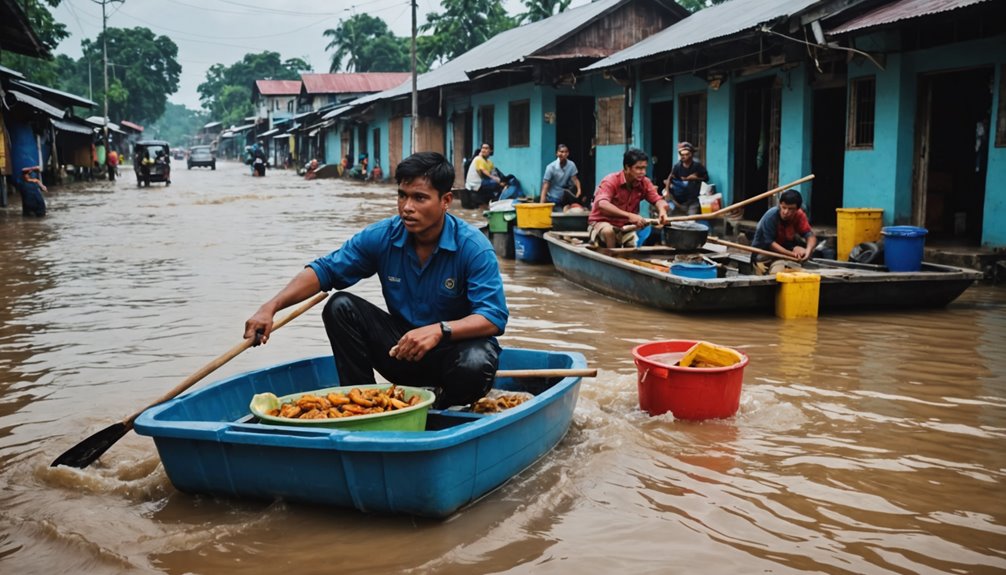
point(683, 184)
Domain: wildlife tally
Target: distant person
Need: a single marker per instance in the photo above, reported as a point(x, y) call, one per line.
point(483, 180)
point(312, 170)
point(684, 183)
point(617, 199)
point(31, 187)
point(785, 230)
point(560, 185)
point(359, 171)
point(258, 159)
point(113, 164)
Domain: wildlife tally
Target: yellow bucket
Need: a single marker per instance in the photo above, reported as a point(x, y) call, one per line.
point(857, 225)
point(798, 295)
point(531, 216)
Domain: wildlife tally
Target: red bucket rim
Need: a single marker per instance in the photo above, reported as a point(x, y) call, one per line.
point(645, 358)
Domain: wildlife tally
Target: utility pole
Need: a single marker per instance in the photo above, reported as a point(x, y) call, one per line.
point(415, 95)
point(104, 50)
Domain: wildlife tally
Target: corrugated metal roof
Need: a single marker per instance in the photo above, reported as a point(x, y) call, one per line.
point(352, 82)
point(278, 87)
point(132, 126)
point(36, 103)
point(902, 10)
point(66, 97)
point(707, 24)
point(74, 127)
point(504, 48)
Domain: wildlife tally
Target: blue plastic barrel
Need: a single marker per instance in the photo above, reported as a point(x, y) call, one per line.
point(530, 246)
point(903, 247)
point(700, 271)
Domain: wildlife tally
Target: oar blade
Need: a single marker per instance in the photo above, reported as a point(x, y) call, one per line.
point(88, 451)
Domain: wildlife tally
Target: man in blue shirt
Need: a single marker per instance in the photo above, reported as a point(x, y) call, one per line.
point(441, 284)
point(560, 184)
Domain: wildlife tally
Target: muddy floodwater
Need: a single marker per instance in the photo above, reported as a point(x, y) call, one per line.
point(865, 442)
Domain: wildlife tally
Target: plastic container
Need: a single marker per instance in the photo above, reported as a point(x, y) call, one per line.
point(530, 246)
point(703, 271)
point(798, 295)
point(503, 243)
point(501, 221)
point(688, 393)
point(570, 222)
point(412, 418)
point(534, 216)
point(856, 226)
point(903, 248)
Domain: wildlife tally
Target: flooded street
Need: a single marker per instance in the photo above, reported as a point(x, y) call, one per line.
point(865, 443)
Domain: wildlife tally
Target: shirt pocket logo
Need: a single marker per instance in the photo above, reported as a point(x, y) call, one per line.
point(449, 283)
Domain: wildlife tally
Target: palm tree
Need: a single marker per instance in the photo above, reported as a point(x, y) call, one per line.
point(351, 38)
point(541, 9)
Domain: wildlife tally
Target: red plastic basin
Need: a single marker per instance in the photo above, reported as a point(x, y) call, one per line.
point(688, 393)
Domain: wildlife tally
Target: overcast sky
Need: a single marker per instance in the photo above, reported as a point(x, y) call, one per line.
point(208, 32)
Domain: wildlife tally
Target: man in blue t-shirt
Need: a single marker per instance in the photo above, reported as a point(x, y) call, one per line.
point(560, 184)
point(441, 285)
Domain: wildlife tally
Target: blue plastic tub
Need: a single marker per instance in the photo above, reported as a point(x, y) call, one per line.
point(530, 246)
point(700, 271)
point(903, 247)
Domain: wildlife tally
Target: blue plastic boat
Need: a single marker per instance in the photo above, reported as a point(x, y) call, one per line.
point(209, 442)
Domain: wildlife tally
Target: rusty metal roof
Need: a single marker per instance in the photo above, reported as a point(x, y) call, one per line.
point(902, 10)
point(708, 24)
point(132, 126)
point(278, 87)
point(352, 82)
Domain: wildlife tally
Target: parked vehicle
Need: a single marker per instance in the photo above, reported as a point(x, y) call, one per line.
point(152, 162)
point(202, 156)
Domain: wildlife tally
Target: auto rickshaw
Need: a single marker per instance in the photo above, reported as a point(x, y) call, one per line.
point(152, 162)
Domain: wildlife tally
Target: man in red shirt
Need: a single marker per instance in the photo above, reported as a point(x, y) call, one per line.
point(616, 202)
point(784, 230)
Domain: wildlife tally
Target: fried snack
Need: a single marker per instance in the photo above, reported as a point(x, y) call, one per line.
point(498, 404)
point(356, 402)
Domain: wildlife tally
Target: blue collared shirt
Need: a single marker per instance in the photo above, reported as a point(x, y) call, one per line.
point(460, 278)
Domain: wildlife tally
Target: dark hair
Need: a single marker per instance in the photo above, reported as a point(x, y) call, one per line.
point(633, 155)
point(430, 165)
point(791, 197)
point(561, 146)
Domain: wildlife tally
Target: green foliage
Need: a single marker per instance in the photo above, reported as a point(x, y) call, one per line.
point(49, 32)
point(221, 93)
point(142, 68)
point(541, 9)
point(696, 5)
point(176, 124)
point(364, 43)
point(464, 24)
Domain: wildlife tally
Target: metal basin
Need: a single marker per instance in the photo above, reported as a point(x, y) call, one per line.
point(684, 235)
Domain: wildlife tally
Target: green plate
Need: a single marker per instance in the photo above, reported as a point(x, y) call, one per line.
point(412, 418)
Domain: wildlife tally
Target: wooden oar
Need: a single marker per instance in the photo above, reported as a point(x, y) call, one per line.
point(521, 373)
point(88, 451)
point(729, 208)
point(759, 251)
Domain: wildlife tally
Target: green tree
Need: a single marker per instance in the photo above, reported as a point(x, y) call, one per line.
point(143, 72)
point(176, 124)
point(221, 92)
point(696, 5)
point(49, 32)
point(464, 24)
point(364, 43)
point(541, 9)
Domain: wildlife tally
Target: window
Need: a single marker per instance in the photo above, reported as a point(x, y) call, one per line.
point(1001, 113)
point(862, 111)
point(611, 120)
point(520, 124)
point(486, 114)
point(377, 147)
point(692, 122)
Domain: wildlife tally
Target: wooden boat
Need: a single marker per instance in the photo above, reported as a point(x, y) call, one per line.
point(210, 443)
point(640, 275)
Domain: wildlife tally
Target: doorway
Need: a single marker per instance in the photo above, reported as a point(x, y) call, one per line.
point(952, 142)
point(756, 143)
point(575, 126)
point(827, 154)
point(663, 151)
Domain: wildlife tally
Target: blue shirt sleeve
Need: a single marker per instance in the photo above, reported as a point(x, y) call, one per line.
point(354, 260)
point(485, 289)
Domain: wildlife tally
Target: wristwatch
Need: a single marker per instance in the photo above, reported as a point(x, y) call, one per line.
point(445, 331)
